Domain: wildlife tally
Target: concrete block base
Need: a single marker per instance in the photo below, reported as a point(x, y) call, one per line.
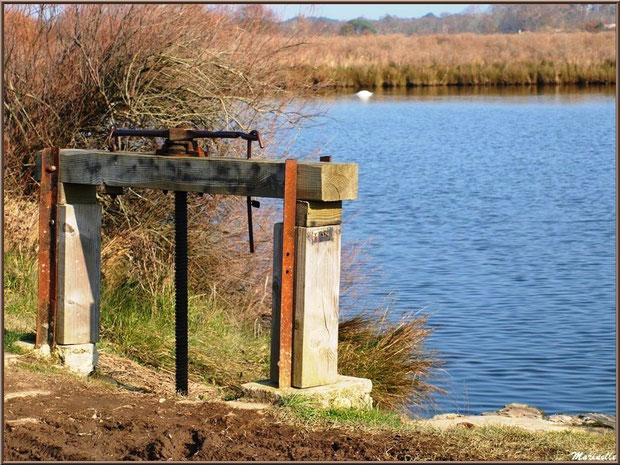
point(79, 358)
point(43, 351)
point(346, 392)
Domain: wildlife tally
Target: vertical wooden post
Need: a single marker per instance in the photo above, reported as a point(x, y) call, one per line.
point(317, 289)
point(79, 248)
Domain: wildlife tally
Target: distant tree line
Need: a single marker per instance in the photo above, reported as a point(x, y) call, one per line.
point(507, 19)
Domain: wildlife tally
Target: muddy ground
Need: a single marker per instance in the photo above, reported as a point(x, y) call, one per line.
point(129, 412)
point(50, 416)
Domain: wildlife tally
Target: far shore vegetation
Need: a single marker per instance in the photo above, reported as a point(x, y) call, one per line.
point(398, 61)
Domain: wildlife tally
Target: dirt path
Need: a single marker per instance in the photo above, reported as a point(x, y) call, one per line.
point(54, 417)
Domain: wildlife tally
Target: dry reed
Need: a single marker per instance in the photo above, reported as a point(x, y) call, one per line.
point(458, 59)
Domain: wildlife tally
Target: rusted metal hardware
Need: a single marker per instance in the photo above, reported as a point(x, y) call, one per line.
point(287, 292)
point(48, 246)
point(181, 142)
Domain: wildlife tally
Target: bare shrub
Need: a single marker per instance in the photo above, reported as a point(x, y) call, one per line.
point(73, 71)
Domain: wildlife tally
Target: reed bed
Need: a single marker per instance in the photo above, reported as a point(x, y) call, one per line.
point(373, 61)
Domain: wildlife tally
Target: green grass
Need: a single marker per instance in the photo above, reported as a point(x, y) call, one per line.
point(20, 291)
point(457, 443)
point(140, 326)
point(306, 410)
point(11, 337)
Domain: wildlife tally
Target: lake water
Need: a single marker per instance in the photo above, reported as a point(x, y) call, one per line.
point(494, 212)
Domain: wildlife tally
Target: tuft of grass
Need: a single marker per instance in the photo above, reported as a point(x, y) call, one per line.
point(392, 354)
point(512, 443)
point(140, 325)
point(20, 290)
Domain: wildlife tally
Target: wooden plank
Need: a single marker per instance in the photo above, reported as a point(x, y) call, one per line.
point(79, 248)
point(233, 176)
point(276, 287)
point(312, 214)
point(317, 288)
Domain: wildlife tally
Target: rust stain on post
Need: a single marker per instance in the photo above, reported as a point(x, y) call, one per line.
point(288, 269)
point(48, 238)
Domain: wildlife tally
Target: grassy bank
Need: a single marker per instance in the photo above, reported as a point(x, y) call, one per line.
point(141, 327)
point(457, 60)
point(225, 347)
point(113, 423)
point(456, 443)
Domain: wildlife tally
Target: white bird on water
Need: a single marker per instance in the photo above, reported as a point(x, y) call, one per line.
point(364, 94)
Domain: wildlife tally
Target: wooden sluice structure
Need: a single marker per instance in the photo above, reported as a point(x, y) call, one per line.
point(306, 271)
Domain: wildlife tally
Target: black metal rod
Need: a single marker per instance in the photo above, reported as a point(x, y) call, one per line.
point(249, 204)
point(250, 227)
point(180, 282)
point(191, 134)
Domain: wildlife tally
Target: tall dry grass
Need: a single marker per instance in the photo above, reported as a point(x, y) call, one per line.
point(458, 59)
point(392, 353)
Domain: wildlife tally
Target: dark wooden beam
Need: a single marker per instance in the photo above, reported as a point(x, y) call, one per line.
point(326, 182)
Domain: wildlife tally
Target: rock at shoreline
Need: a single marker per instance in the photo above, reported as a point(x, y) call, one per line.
point(515, 410)
point(526, 417)
point(598, 419)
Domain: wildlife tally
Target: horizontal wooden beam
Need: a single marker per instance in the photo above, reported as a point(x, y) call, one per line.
point(327, 182)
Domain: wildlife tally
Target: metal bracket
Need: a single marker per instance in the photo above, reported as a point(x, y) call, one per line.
point(287, 292)
point(181, 142)
point(48, 247)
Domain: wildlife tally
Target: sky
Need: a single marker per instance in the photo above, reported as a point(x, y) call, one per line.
point(372, 11)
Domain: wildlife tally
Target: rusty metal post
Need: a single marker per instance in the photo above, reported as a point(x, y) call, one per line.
point(48, 246)
point(288, 268)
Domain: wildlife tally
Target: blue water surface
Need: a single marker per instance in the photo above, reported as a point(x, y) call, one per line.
point(495, 214)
